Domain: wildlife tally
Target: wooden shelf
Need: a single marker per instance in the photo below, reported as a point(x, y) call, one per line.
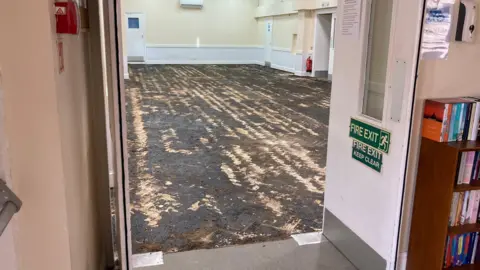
point(465, 187)
point(465, 145)
point(468, 228)
point(436, 175)
point(465, 267)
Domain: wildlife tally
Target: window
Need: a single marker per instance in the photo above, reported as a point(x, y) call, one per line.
point(377, 58)
point(133, 23)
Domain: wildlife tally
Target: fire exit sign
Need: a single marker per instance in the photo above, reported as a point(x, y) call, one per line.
point(370, 135)
point(369, 143)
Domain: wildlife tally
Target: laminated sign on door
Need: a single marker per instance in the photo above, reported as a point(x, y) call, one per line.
point(369, 143)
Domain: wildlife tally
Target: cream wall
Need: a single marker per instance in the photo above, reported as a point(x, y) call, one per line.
point(283, 29)
point(47, 128)
point(309, 36)
point(261, 31)
point(275, 7)
point(456, 76)
point(314, 4)
point(219, 22)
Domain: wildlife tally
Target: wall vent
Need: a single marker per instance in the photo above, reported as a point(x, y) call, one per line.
point(191, 3)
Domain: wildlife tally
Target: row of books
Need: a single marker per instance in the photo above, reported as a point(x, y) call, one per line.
point(468, 169)
point(453, 119)
point(461, 249)
point(464, 208)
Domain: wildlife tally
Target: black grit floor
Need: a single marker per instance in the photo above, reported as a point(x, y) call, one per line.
point(222, 155)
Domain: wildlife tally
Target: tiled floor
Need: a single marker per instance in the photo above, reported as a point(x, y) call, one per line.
point(279, 255)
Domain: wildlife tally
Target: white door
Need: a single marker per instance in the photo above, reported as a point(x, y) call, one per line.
point(364, 187)
point(332, 47)
point(268, 40)
point(135, 37)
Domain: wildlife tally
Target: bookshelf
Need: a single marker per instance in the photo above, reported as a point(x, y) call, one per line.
point(435, 185)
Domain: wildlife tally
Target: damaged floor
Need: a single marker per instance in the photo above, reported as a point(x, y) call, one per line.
point(224, 155)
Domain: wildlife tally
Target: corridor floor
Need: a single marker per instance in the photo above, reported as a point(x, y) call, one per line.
point(224, 155)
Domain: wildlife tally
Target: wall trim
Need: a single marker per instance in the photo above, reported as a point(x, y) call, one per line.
point(281, 49)
point(260, 63)
point(229, 46)
point(288, 69)
point(202, 62)
point(303, 74)
point(329, 10)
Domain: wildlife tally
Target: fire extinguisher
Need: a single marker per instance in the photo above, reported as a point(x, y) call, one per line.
point(309, 64)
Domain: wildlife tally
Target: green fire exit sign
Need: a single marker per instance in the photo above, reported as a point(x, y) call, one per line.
point(370, 135)
point(367, 155)
point(369, 143)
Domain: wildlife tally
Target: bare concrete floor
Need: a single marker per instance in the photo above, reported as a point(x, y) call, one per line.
point(279, 255)
point(224, 155)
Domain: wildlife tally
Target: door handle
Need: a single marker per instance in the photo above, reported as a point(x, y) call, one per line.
point(9, 205)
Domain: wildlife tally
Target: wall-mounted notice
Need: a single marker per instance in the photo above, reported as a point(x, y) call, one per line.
point(352, 12)
point(436, 29)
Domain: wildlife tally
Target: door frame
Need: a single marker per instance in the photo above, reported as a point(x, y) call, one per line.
point(323, 11)
point(142, 17)
point(268, 48)
point(331, 59)
point(113, 33)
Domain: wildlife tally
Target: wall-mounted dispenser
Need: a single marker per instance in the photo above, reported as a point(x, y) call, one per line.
point(467, 19)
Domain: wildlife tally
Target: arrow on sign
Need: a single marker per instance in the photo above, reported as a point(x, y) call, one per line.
point(61, 11)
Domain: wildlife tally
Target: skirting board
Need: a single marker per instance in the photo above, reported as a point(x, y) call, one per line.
point(201, 62)
point(190, 54)
point(359, 253)
point(181, 54)
point(287, 69)
point(303, 74)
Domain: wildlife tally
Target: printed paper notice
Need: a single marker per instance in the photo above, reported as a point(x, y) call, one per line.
point(351, 17)
point(436, 29)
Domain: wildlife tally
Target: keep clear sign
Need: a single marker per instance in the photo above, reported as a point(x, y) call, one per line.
point(369, 143)
point(367, 155)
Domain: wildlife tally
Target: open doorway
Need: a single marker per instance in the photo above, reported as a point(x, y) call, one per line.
point(324, 44)
point(223, 150)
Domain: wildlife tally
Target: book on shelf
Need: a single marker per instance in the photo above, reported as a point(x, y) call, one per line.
point(461, 249)
point(468, 168)
point(464, 208)
point(451, 119)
